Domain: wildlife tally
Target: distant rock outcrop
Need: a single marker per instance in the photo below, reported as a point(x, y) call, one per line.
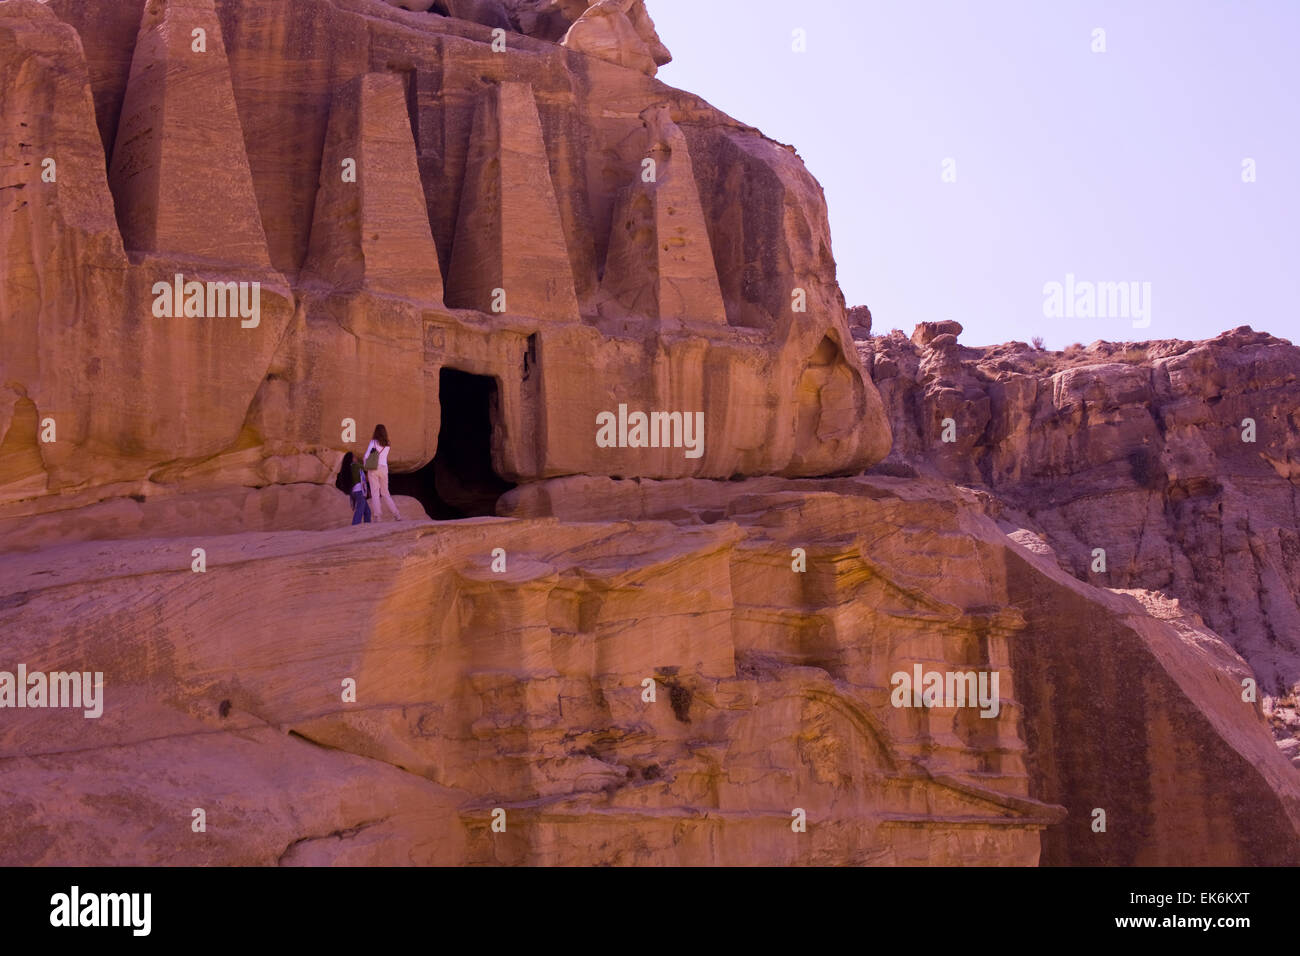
point(1178, 460)
point(860, 321)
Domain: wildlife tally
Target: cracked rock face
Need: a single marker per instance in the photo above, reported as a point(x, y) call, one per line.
point(407, 200)
point(525, 690)
point(1139, 449)
point(621, 32)
point(263, 225)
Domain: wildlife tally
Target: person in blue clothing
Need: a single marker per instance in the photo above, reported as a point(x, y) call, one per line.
point(360, 506)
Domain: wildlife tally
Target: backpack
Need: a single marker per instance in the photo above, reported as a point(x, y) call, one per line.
point(344, 481)
point(372, 460)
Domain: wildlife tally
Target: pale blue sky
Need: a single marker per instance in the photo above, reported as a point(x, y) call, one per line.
point(1116, 166)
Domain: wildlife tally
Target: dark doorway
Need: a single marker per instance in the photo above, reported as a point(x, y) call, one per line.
point(460, 481)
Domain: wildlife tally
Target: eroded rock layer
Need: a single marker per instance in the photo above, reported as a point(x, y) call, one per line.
point(524, 689)
point(1178, 460)
point(237, 234)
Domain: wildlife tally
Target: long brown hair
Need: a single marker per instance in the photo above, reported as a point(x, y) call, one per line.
point(380, 435)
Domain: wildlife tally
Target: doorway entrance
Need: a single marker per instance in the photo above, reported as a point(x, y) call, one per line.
point(460, 482)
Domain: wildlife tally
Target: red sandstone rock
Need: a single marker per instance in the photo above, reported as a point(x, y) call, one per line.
point(927, 332)
point(1137, 449)
point(370, 229)
point(546, 19)
point(708, 287)
point(659, 261)
point(621, 32)
point(509, 236)
point(859, 321)
point(349, 291)
point(523, 690)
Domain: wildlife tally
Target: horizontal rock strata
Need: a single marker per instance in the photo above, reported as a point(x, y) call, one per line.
point(522, 689)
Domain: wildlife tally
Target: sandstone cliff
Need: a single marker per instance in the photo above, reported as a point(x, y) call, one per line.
point(524, 691)
point(237, 234)
point(413, 193)
point(1177, 459)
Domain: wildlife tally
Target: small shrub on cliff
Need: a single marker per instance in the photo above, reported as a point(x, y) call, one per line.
point(1144, 465)
point(680, 698)
point(1038, 342)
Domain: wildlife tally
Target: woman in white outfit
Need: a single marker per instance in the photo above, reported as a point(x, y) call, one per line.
point(379, 477)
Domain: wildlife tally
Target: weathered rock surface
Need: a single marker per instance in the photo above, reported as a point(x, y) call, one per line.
point(489, 250)
point(621, 32)
point(279, 507)
point(659, 255)
point(486, 231)
point(1139, 449)
point(370, 229)
point(546, 19)
point(524, 690)
point(859, 321)
point(927, 332)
